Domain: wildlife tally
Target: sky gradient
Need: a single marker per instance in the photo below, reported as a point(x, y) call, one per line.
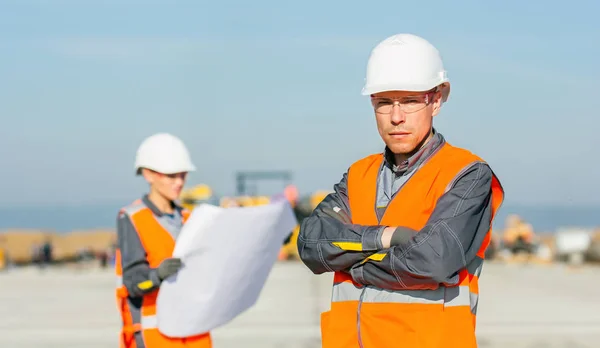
point(270, 85)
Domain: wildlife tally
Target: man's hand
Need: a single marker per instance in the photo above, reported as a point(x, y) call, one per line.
point(168, 267)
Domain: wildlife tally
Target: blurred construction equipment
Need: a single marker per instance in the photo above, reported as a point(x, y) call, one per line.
point(198, 194)
point(247, 197)
point(518, 236)
point(23, 247)
point(302, 209)
point(574, 245)
point(246, 180)
point(516, 243)
point(3, 260)
point(519, 243)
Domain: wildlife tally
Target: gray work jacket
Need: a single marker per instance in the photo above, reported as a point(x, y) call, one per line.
point(434, 255)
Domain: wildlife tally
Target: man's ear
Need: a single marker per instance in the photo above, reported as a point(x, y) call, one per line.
point(148, 175)
point(437, 103)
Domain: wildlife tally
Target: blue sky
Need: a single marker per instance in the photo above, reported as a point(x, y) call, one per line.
point(84, 82)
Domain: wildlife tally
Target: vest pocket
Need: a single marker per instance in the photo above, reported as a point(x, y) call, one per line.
point(410, 325)
point(339, 326)
point(459, 330)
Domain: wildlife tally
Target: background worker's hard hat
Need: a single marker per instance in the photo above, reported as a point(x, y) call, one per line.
point(163, 153)
point(405, 62)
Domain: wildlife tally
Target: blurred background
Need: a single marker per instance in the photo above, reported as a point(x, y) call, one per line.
point(266, 95)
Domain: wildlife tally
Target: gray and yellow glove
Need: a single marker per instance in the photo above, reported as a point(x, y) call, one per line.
point(168, 267)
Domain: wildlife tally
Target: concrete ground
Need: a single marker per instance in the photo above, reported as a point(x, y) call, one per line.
point(521, 306)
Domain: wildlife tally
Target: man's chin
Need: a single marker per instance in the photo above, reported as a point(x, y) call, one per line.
point(173, 197)
point(400, 149)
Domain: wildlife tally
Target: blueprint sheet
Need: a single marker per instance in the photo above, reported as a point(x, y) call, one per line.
point(227, 255)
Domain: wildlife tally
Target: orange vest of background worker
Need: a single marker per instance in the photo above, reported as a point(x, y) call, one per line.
point(405, 231)
point(147, 230)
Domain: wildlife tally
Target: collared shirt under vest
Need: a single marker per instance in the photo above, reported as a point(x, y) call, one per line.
point(432, 316)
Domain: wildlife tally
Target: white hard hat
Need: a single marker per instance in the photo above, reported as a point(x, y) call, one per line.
point(405, 62)
point(163, 153)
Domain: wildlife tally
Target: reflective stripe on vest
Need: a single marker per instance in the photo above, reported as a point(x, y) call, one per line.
point(444, 316)
point(345, 289)
point(451, 296)
point(149, 322)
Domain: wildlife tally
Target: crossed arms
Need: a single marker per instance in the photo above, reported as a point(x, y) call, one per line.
point(328, 241)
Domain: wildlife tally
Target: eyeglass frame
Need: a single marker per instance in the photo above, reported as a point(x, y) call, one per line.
point(428, 100)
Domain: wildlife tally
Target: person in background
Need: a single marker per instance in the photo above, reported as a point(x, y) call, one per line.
point(46, 253)
point(146, 234)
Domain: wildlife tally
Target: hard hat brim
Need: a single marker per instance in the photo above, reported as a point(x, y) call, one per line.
point(444, 86)
point(190, 168)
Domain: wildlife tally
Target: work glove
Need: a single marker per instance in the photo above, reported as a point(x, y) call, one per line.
point(168, 267)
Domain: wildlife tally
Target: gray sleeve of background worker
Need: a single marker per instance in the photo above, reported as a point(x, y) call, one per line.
point(448, 243)
point(330, 224)
point(138, 277)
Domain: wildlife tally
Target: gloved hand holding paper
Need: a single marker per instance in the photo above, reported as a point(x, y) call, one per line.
point(227, 255)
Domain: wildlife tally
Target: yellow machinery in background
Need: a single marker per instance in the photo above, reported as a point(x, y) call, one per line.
point(243, 201)
point(2, 259)
point(3, 254)
point(196, 195)
point(518, 236)
point(519, 243)
point(516, 243)
point(303, 209)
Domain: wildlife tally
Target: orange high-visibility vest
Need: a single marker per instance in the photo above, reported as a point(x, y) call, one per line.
point(158, 244)
point(370, 317)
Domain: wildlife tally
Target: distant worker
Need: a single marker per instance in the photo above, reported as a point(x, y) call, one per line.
point(147, 230)
point(405, 230)
point(46, 253)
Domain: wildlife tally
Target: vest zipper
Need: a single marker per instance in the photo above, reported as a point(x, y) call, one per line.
point(360, 299)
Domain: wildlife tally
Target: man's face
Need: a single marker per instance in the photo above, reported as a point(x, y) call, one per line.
point(168, 185)
point(404, 119)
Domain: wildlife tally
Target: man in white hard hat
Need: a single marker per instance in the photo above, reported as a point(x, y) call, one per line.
point(405, 230)
point(146, 232)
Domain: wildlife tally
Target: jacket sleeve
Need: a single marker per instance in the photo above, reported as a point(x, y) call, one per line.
point(448, 243)
point(328, 241)
point(138, 277)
